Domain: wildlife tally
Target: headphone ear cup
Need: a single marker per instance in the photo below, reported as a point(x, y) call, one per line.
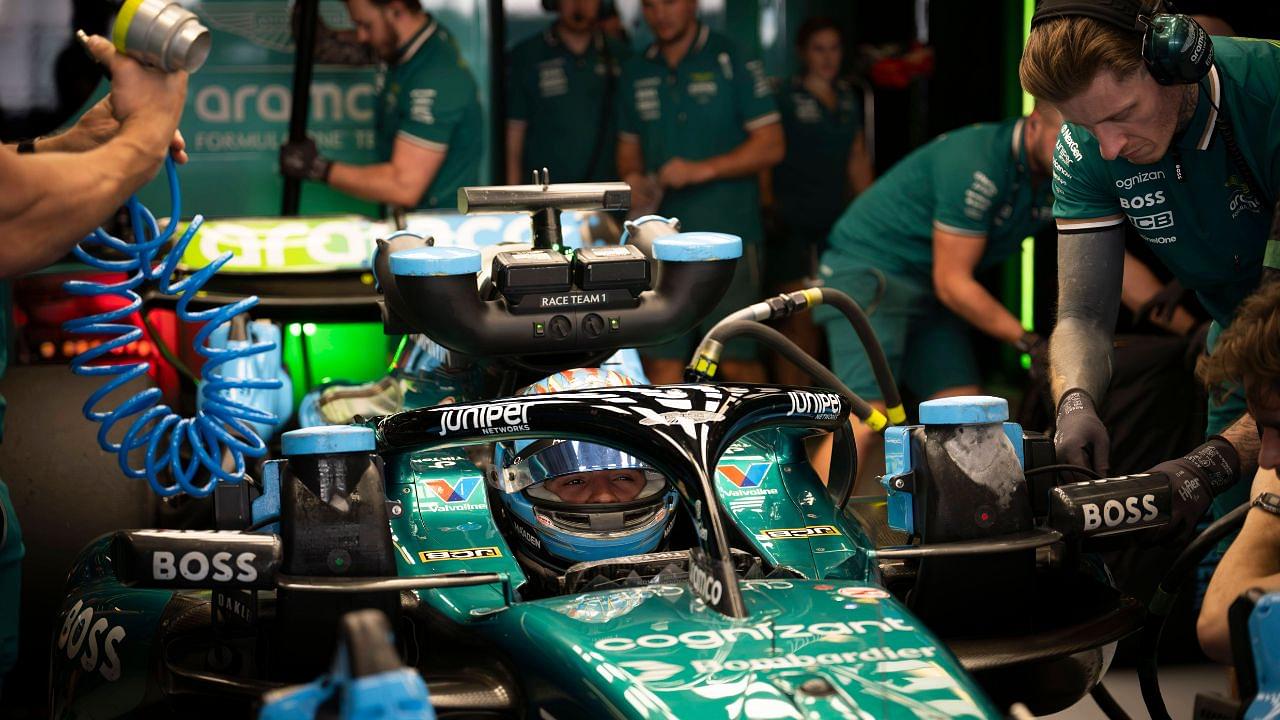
point(1177, 51)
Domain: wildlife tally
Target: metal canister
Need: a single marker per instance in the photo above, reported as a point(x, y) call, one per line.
point(161, 33)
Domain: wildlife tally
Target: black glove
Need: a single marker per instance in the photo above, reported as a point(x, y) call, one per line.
point(303, 161)
point(1194, 479)
point(1037, 348)
point(1081, 438)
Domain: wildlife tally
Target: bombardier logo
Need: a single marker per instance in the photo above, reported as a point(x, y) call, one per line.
point(799, 533)
point(1159, 221)
point(488, 419)
point(1115, 513)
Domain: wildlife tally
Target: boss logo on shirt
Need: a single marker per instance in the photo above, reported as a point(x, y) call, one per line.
point(552, 80)
point(1137, 202)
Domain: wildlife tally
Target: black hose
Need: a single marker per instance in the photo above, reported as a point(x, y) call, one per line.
point(1064, 467)
point(722, 333)
point(1162, 602)
point(870, 343)
point(843, 438)
point(1107, 704)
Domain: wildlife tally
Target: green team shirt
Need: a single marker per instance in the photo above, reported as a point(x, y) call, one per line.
point(566, 102)
point(705, 106)
point(972, 181)
point(1208, 228)
point(811, 183)
point(430, 98)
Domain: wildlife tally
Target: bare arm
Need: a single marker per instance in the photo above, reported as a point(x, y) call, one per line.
point(954, 258)
point(403, 181)
point(1252, 561)
point(1090, 277)
point(515, 151)
point(1140, 285)
point(763, 148)
point(861, 174)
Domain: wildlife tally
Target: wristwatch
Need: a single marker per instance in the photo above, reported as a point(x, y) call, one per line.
point(1267, 501)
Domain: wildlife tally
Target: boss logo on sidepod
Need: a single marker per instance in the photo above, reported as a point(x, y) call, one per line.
point(95, 642)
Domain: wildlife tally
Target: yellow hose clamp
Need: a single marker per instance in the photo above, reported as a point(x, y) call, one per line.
point(876, 420)
point(813, 296)
point(897, 415)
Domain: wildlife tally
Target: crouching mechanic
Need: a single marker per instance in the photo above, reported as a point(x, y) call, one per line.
point(1248, 352)
point(563, 502)
point(428, 121)
point(1169, 130)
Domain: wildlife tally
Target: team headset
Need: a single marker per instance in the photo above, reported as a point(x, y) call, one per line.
point(1175, 49)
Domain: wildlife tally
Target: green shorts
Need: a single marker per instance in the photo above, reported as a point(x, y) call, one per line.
point(928, 346)
point(11, 552)
point(1223, 411)
point(743, 291)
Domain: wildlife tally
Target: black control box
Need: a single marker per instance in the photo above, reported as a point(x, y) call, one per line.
point(615, 267)
point(527, 272)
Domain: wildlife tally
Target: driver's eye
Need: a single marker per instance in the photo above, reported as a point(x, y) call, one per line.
point(624, 479)
point(574, 481)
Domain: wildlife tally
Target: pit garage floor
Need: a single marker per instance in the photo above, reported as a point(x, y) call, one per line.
point(1179, 683)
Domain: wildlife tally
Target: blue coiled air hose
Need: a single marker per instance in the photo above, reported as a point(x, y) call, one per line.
point(220, 426)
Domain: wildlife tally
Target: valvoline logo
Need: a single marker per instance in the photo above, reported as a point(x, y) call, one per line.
point(751, 477)
point(461, 492)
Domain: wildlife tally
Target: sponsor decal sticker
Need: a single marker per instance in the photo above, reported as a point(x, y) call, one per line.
point(712, 639)
point(749, 478)
point(798, 661)
point(459, 491)
point(863, 593)
point(477, 553)
point(95, 642)
point(1114, 513)
point(821, 406)
point(488, 419)
point(684, 416)
point(799, 533)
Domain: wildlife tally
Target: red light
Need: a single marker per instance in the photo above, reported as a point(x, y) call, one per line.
point(985, 517)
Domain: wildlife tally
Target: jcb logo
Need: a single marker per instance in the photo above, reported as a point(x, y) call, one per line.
point(461, 554)
point(1137, 202)
point(1153, 222)
point(800, 533)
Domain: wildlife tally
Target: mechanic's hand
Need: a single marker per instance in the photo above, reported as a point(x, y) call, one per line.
point(98, 126)
point(1081, 438)
point(677, 173)
point(646, 195)
point(139, 94)
point(303, 161)
point(1195, 478)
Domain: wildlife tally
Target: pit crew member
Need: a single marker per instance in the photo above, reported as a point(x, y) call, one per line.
point(1182, 145)
point(53, 192)
point(428, 121)
point(697, 122)
point(561, 84)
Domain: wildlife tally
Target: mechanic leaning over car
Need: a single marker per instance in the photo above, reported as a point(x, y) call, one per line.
point(53, 192)
point(562, 83)
point(907, 248)
point(427, 118)
point(1248, 352)
point(1180, 136)
point(697, 122)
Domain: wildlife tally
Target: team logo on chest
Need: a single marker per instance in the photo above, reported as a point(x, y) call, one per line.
point(552, 79)
point(1240, 197)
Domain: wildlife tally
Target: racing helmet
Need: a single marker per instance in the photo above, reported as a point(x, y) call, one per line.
point(570, 501)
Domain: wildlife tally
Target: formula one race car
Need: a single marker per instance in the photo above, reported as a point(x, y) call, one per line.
point(756, 592)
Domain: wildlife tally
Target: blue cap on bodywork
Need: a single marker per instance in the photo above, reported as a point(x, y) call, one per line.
point(965, 410)
point(697, 247)
point(327, 440)
point(431, 261)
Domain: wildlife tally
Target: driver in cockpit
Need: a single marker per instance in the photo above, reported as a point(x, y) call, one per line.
point(563, 502)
